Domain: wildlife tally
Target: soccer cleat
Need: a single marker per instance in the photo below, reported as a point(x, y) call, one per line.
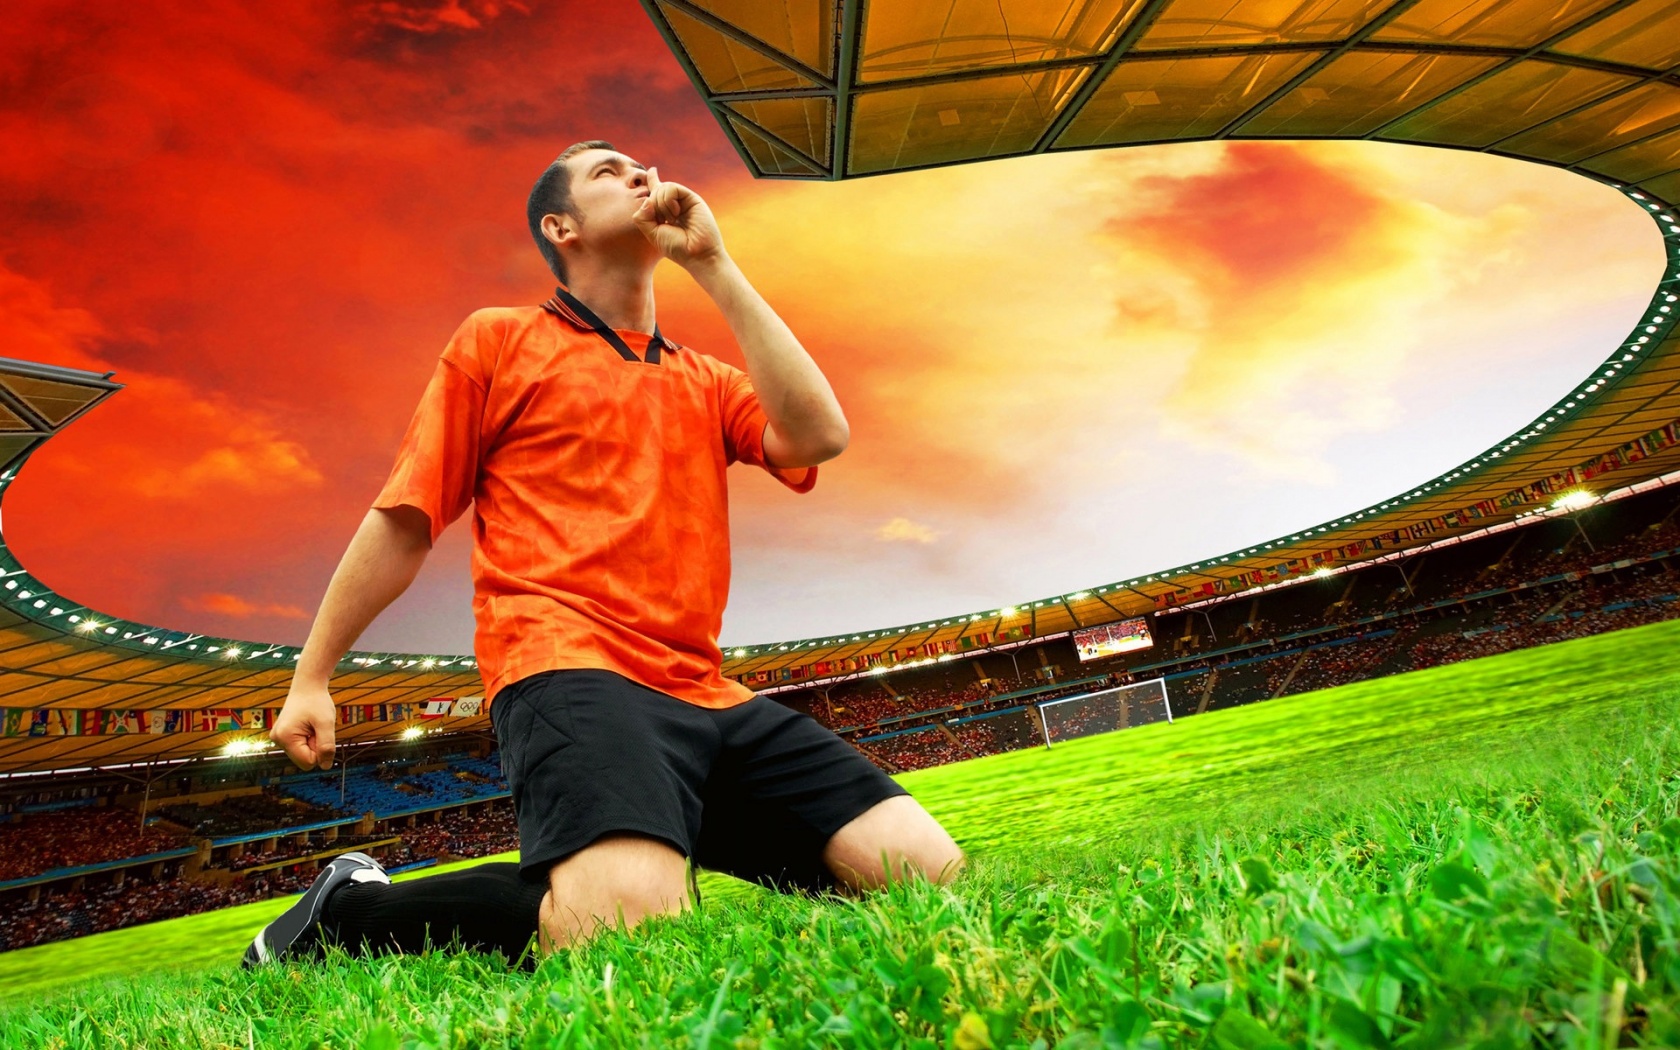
point(297, 930)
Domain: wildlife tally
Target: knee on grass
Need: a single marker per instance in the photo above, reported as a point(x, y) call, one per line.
point(616, 882)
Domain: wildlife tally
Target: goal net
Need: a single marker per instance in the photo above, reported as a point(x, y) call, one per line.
point(1105, 711)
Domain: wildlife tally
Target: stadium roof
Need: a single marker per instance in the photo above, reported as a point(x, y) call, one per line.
point(817, 90)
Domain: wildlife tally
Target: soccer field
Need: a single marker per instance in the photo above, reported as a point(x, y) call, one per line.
point(1484, 854)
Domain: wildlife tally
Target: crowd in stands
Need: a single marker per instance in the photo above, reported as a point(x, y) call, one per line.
point(44, 842)
point(917, 749)
point(73, 838)
point(462, 834)
point(63, 913)
point(247, 815)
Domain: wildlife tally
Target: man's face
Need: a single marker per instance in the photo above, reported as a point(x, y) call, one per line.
point(607, 188)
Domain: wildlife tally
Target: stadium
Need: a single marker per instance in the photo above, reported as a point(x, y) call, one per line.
point(1401, 777)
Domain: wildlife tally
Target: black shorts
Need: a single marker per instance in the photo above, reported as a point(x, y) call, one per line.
point(754, 791)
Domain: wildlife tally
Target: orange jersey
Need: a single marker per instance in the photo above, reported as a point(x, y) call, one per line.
point(594, 461)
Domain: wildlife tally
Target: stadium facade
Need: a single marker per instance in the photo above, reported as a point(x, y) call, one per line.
point(822, 90)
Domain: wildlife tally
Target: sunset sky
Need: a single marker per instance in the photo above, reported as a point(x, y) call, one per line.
point(1059, 371)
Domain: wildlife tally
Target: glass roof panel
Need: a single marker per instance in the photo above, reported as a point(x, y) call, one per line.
point(803, 123)
point(1150, 100)
point(1201, 23)
point(52, 401)
point(1494, 23)
point(10, 420)
point(726, 65)
point(1506, 103)
point(1364, 90)
point(961, 120)
point(906, 38)
point(801, 28)
point(1632, 115)
point(1640, 161)
point(1641, 35)
point(770, 158)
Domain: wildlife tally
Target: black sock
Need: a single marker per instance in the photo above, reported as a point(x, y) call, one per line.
point(485, 908)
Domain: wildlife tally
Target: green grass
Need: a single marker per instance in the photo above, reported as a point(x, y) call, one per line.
point(1485, 854)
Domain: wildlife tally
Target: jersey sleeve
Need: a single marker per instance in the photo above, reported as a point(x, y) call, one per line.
point(743, 429)
point(437, 464)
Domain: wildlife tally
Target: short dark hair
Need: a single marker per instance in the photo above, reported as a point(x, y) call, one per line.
point(552, 195)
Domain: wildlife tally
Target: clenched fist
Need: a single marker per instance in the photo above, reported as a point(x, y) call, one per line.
point(305, 727)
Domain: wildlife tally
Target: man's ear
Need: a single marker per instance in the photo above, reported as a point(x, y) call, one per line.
point(558, 229)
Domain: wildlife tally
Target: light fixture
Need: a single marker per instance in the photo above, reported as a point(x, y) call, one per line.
point(1574, 500)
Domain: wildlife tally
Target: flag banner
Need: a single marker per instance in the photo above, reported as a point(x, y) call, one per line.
point(436, 707)
point(467, 706)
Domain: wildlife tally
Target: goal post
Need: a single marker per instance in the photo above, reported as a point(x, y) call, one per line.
point(1104, 711)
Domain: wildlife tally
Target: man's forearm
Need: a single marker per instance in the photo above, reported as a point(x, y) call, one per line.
point(795, 394)
point(382, 560)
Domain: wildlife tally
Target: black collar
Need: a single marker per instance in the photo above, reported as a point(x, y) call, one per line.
point(565, 303)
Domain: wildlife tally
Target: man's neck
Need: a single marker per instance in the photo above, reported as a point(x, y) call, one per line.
point(621, 295)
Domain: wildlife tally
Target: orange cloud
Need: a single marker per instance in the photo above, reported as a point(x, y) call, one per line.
point(238, 608)
point(903, 530)
point(432, 17)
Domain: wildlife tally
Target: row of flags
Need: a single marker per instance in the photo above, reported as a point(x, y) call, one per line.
point(1538, 492)
point(58, 721)
point(887, 657)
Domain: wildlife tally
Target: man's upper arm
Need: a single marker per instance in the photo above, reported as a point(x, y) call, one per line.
point(436, 469)
point(750, 437)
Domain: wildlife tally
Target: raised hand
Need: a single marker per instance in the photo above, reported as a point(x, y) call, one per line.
point(678, 223)
point(305, 727)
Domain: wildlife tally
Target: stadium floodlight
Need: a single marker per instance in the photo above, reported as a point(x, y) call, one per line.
point(740, 652)
point(413, 733)
point(1323, 570)
point(247, 746)
point(1574, 500)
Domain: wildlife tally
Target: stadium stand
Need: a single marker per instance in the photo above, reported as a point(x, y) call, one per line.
point(71, 839)
point(263, 830)
point(241, 815)
point(77, 862)
point(400, 788)
point(1610, 567)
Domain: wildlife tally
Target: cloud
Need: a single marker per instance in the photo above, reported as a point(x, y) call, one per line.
point(268, 223)
point(903, 530)
point(240, 609)
point(1286, 286)
point(431, 17)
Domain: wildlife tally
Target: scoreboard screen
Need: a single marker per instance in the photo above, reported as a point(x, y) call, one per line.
point(1122, 637)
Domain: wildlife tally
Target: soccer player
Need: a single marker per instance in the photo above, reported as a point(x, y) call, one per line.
point(593, 448)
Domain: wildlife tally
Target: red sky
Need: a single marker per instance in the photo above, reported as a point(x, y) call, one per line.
point(1059, 371)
